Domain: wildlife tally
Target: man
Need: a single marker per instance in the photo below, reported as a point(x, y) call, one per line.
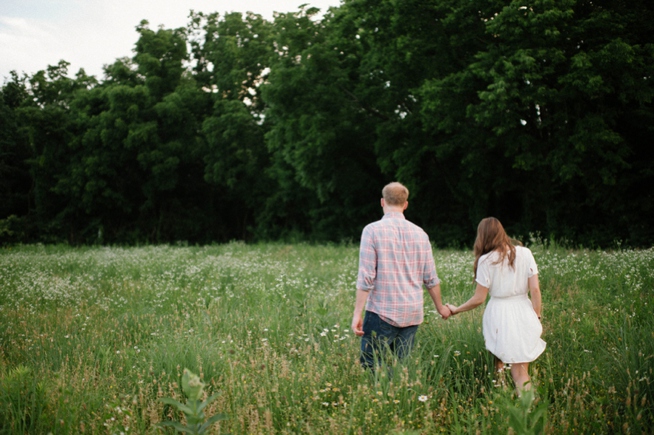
point(395, 260)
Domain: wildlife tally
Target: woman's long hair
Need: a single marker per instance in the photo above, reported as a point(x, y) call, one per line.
point(492, 237)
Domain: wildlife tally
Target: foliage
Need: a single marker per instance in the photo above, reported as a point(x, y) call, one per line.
point(193, 408)
point(540, 97)
point(240, 128)
point(528, 417)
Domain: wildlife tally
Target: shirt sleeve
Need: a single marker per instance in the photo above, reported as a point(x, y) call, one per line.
point(533, 268)
point(483, 272)
point(367, 261)
point(430, 278)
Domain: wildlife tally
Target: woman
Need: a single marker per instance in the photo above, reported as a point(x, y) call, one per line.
point(511, 323)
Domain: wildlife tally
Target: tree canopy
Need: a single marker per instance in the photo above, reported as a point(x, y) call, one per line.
point(236, 127)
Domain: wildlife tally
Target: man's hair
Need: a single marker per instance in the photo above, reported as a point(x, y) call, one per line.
point(395, 193)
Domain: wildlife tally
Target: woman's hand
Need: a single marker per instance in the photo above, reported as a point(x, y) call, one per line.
point(452, 308)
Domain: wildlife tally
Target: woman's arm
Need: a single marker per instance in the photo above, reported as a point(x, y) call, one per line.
point(477, 299)
point(534, 291)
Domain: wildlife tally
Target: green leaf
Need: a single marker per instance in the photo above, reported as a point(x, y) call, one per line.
point(204, 404)
point(212, 420)
point(178, 426)
point(182, 407)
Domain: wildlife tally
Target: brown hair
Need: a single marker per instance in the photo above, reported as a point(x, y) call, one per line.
point(492, 237)
point(395, 193)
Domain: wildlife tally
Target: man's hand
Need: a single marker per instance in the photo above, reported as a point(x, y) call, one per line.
point(357, 317)
point(357, 324)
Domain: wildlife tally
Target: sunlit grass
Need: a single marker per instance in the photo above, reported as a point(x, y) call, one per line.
point(92, 338)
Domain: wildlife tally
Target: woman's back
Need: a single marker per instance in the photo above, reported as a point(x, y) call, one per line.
point(502, 280)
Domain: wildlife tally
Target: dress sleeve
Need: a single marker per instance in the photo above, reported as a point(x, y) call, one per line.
point(367, 261)
point(533, 268)
point(483, 272)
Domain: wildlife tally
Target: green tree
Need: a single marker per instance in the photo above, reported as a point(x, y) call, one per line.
point(232, 58)
point(549, 102)
point(321, 138)
point(15, 179)
point(237, 127)
point(46, 121)
point(404, 45)
point(135, 169)
point(103, 179)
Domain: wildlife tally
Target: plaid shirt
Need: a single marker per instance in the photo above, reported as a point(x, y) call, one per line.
point(395, 260)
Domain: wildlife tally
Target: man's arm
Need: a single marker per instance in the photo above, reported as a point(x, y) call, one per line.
point(435, 293)
point(357, 318)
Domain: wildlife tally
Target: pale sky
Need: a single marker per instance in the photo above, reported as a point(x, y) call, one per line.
point(92, 33)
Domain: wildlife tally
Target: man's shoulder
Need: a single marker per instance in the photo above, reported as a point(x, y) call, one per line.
point(415, 227)
point(384, 224)
point(402, 225)
point(372, 225)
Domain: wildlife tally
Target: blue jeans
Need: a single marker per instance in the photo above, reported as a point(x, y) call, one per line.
point(380, 337)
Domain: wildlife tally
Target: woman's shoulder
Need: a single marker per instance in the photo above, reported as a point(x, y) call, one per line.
point(491, 256)
point(522, 250)
point(525, 256)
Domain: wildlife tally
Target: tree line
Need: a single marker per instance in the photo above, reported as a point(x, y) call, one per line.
point(237, 127)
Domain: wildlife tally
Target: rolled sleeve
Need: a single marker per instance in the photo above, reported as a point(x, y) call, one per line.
point(367, 262)
point(430, 278)
point(483, 273)
point(533, 268)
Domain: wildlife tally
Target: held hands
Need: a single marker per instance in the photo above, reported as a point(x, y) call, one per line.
point(445, 312)
point(452, 308)
point(357, 319)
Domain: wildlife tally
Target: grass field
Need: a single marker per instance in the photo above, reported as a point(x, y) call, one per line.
point(92, 338)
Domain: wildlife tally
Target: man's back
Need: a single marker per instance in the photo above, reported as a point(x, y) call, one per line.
point(395, 260)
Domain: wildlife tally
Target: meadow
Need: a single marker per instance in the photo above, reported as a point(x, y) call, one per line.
point(92, 338)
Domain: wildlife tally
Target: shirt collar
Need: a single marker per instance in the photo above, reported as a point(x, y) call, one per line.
point(393, 215)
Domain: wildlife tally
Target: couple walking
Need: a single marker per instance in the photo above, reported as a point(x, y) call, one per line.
point(396, 260)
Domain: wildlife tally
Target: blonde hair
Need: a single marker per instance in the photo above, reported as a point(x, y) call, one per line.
point(395, 193)
point(492, 237)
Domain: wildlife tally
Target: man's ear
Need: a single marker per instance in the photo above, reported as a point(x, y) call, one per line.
point(406, 204)
point(383, 203)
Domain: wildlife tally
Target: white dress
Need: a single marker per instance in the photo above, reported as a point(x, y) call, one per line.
point(511, 327)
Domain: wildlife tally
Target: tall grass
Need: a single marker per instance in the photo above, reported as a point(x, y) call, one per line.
point(92, 338)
